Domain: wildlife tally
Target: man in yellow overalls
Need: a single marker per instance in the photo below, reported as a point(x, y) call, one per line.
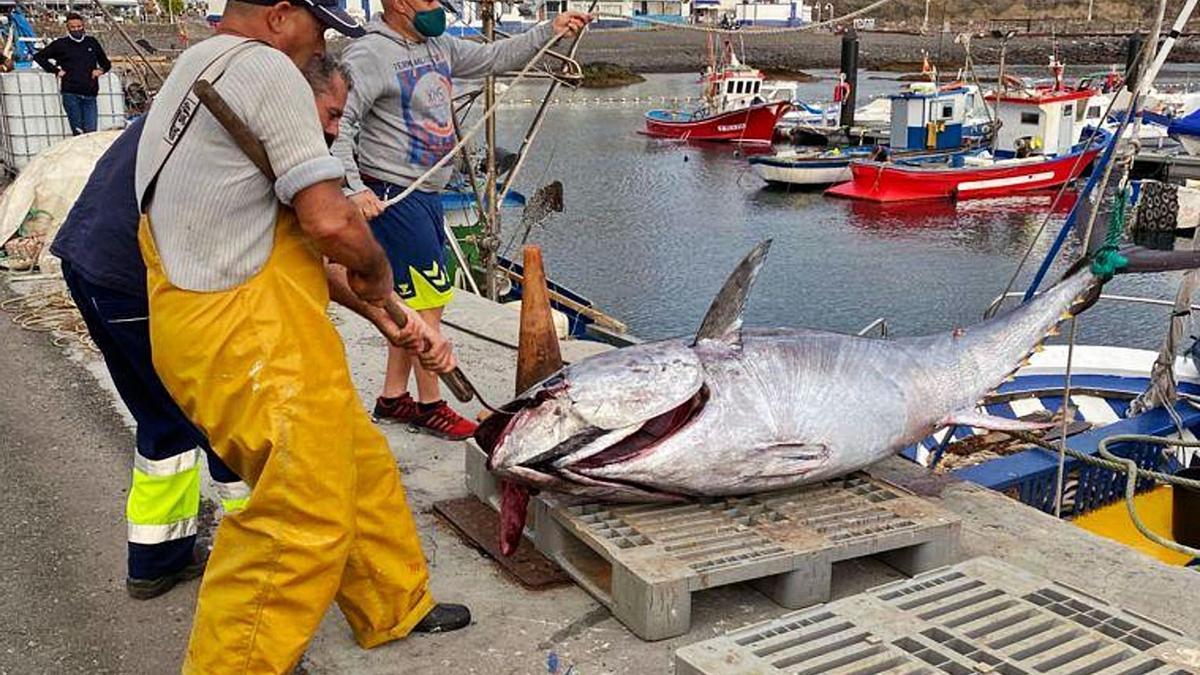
point(241, 340)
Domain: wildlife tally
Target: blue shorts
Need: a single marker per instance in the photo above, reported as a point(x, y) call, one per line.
point(413, 235)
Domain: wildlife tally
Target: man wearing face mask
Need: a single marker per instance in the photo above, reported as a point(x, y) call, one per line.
point(398, 123)
point(79, 61)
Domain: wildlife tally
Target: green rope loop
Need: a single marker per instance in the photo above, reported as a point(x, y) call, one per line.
point(1108, 260)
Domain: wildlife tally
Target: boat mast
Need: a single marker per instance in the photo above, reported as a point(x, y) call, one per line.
point(491, 221)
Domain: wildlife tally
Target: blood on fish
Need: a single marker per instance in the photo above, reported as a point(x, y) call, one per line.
point(514, 500)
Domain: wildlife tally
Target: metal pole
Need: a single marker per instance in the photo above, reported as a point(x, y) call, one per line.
point(491, 236)
point(850, 70)
point(925, 21)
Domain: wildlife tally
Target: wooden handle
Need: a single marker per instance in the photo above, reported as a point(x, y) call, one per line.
point(227, 118)
point(455, 380)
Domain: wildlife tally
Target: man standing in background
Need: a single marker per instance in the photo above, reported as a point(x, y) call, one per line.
point(399, 121)
point(79, 61)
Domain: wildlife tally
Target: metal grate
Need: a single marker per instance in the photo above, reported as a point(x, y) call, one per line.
point(980, 616)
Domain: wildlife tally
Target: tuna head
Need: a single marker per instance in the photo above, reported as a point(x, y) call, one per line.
point(614, 407)
point(603, 410)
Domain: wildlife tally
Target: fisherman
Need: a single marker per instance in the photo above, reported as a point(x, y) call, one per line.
point(399, 123)
point(107, 279)
point(242, 343)
point(79, 61)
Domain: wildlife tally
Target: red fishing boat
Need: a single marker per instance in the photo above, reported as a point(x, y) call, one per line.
point(883, 182)
point(733, 108)
point(1040, 145)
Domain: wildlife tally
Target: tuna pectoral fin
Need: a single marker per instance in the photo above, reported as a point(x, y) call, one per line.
point(974, 418)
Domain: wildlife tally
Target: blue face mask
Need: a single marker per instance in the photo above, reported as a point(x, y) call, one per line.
point(431, 22)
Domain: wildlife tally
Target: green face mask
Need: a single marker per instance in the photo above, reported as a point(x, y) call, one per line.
point(431, 22)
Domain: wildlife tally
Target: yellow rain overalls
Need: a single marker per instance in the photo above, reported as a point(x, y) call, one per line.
point(262, 371)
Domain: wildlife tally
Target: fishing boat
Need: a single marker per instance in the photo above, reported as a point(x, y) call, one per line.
point(806, 168)
point(1038, 146)
point(926, 124)
point(733, 111)
point(1105, 380)
point(581, 318)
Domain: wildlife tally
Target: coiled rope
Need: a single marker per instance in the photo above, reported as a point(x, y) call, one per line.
point(50, 312)
point(1112, 462)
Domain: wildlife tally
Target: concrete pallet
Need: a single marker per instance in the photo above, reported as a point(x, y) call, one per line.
point(643, 561)
point(979, 616)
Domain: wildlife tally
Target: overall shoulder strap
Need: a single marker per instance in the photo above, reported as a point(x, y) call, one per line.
point(185, 112)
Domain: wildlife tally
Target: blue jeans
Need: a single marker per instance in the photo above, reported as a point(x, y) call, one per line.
point(164, 483)
point(81, 112)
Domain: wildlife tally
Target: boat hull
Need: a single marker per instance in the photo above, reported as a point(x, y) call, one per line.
point(753, 125)
point(879, 182)
point(818, 172)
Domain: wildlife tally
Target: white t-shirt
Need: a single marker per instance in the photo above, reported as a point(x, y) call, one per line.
point(213, 212)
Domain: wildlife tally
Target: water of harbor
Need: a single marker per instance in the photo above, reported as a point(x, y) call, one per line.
point(651, 228)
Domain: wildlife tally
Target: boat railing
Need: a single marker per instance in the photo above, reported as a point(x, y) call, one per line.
point(1131, 299)
point(879, 324)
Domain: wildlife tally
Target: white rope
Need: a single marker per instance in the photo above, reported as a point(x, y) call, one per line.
point(466, 138)
point(748, 31)
point(1143, 85)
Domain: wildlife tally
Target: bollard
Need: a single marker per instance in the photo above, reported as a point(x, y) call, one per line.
point(850, 70)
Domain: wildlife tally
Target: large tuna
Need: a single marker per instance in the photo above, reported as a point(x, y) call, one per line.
point(736, 411)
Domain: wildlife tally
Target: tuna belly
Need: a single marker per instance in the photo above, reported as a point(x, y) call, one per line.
point(718, 471)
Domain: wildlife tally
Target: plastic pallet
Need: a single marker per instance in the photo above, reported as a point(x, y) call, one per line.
point(979, 616)
point(643, 561)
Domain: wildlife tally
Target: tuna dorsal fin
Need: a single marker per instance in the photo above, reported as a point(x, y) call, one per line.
point(724, 318)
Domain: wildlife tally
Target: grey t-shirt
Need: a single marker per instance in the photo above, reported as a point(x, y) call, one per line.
point(397, 117)
point(213, 212)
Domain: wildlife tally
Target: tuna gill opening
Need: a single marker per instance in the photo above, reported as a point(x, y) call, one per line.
point(652, 431)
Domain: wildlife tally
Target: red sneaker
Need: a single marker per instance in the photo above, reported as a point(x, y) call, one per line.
point(443, 422)
point(403, 409)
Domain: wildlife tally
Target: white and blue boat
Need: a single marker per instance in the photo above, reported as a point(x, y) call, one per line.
point(926, 123)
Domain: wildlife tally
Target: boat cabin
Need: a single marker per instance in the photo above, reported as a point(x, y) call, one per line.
point(1042, 121)
point(926, 118)
point(733, 87)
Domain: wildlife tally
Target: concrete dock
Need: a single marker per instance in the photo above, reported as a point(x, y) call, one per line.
point(58, 418)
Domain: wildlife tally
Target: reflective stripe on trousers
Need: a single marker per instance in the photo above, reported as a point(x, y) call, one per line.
point(164, 498)
point(261, 370)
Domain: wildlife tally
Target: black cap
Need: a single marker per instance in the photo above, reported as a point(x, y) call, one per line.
point(328, 12)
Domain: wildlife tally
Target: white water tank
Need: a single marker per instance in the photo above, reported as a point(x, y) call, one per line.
point(32, 117)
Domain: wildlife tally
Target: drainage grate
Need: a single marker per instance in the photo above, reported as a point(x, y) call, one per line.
point(980, 616)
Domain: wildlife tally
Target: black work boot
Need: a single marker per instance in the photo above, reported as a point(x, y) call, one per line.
point(144, 589)
point(443, 618)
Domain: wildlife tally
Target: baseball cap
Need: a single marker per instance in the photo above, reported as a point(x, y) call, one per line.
point(328, 12)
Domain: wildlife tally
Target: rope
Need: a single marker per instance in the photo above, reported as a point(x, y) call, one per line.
point(1012, 280)
point(50, 312)
point(748, 31)
point(466, 138)
point(1107, 260)
point(1133, 472)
